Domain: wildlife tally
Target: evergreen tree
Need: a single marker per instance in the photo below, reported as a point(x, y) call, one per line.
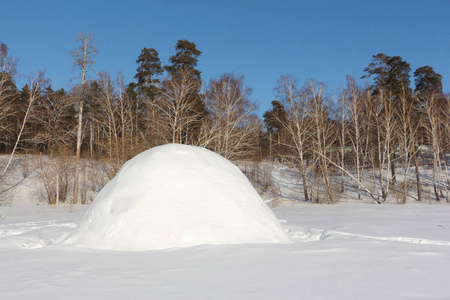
point(183, 64)
point(427, 80)
point(146, 73)
point(379, 69)
point(186, 58)
point(391, 75)
point(275, 118)
point(391, 82)
point(428, 88)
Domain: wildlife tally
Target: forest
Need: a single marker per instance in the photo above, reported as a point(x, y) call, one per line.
point(388, 131)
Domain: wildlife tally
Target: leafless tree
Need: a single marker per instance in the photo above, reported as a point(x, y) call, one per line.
point(359, 136)
point(83, 59)
point(406, 134)
point(53, 118)
point(176, 108)
point(323, 135)
point(7, 90)
point(124, 115)
point(380, 114)
point(107, 114)
point(344, 109)
point(355, 117)
point(297, 128)
point(33, 90)
point(446, 146)
point(7, 70)
point(232, 129)
point(434, 107)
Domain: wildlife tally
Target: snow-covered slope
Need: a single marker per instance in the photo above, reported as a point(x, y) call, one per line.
point(176, 196)
point(342, 251)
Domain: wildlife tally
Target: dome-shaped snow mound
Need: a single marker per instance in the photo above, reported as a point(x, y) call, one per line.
point(177, 196)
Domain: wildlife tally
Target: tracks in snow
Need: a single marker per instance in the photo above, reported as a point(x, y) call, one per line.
point(310, 235)
point(7, 230)
point(314, 234)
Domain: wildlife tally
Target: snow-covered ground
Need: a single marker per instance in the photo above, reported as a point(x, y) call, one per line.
point(343, 251)
point(351, 250)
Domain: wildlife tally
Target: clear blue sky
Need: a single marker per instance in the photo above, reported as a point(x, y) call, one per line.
point(322, 40)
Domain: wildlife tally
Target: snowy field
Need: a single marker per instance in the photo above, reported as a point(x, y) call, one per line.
point(350, 250)
point(343, 251)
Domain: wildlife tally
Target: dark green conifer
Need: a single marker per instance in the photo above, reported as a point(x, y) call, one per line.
point(186, 58)
point(427, 80)
point(390, 74)
point(148, 70)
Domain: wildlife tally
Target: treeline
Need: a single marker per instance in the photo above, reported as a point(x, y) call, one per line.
point(166, 104)
point(377, 127)
point(370, 133)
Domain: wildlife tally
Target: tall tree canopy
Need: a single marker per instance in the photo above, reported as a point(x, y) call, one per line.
point(427, 80)
point(186, 58)
point(275, 119)
point(183, 69)
point(149, 67)
point(391, 75)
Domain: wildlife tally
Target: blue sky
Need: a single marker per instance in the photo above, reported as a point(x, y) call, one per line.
point(322, 40)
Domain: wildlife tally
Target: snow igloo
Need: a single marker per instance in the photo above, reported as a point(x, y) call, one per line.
point(176, 196)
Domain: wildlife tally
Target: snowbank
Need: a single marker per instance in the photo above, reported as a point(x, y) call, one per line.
point(177, 196)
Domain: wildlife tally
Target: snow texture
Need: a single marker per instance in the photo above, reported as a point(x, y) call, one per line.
point(177, 196)
point(341, 252)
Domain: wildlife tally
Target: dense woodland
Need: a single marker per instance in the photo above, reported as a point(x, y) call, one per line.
point(378, 130)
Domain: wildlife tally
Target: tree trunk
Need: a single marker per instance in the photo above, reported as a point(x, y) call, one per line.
point(416, 165)
point(78, 153)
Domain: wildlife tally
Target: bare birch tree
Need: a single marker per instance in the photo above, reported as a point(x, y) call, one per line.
point(108, 114)
point(323, 136)
point(7, 70)
point(7, 90)
point(232, 129)
point(356, 138)
point(83, 59)
point(344, 120)
point(33, 90)
point(381, 114)
point(124, 111)
point(176, 107)
point(406, 137)
point(446, 124)
point(296, 127)
point(53, 117)
point(433, 106)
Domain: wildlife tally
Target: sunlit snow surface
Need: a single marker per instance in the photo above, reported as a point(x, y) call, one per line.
point(177, 196)
point(353, 250)
point(343, 251)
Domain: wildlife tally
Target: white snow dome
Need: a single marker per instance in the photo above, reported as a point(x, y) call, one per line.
point(177, 196)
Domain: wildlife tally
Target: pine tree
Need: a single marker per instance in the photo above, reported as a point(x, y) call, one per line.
point(275, 118)
point(185, 58)
point(146, 75)
point(433, 105)
point(427, 80)
point(391, 81)
point(390, 74)
point(183, 64)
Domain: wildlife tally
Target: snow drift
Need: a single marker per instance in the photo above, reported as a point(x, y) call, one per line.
point(177, 196)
